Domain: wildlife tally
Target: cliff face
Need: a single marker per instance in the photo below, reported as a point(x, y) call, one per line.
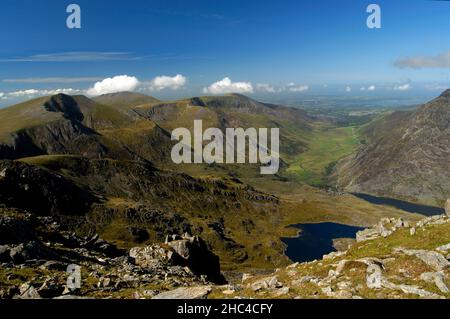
point(407, 156)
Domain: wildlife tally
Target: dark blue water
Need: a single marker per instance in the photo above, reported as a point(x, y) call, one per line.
point(399, 204)
point(316, 240)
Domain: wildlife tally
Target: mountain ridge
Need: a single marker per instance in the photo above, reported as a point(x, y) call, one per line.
point(406, 156)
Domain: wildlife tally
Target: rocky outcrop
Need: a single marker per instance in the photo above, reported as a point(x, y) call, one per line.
point(186, 251)
point(384, 228)
point(196, 255)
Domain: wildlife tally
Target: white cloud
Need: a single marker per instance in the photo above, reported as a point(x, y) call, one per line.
point(118, 83)
point(263, 87)
point(402, 87)
point(299, 88)
point(167, 82)
point(225, 86)
point(34, 92)
point(348, 89)
point(29, 92)
point(420, 62)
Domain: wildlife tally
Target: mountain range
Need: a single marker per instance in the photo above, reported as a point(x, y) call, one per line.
point(103, 165)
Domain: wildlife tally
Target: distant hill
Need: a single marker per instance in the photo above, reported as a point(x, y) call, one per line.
point(134, 126)
point(125, 99)
point(407, 155)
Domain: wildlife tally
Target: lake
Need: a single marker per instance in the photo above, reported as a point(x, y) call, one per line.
point(316, 240)
point(403, 205)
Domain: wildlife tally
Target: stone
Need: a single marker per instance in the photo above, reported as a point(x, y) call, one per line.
point(444, 248)
point(30, 251)
point(412, 231)
point(374, 276)
point(27, 291)
point(104, 282)
point(414, 290)
point(437, 278)
point(367, 234)
point(198, 257)
point(282, 291)
point(401, 223)
point(246, 277)
point(266, 283)
point(71, 297)
point(155, 255)
point(186, 251)
point(200, 292)
point(433, 259)
point(333, 255)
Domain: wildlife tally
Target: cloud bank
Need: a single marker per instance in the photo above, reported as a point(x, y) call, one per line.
point(263, 87)
point(421, 62)
point(298, 88)
point(226, 86)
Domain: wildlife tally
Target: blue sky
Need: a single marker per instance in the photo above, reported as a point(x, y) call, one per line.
point(263, 47)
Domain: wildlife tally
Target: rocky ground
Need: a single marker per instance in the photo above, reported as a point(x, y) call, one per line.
point(36, 253)
point(393, 259)
point(390, 260)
